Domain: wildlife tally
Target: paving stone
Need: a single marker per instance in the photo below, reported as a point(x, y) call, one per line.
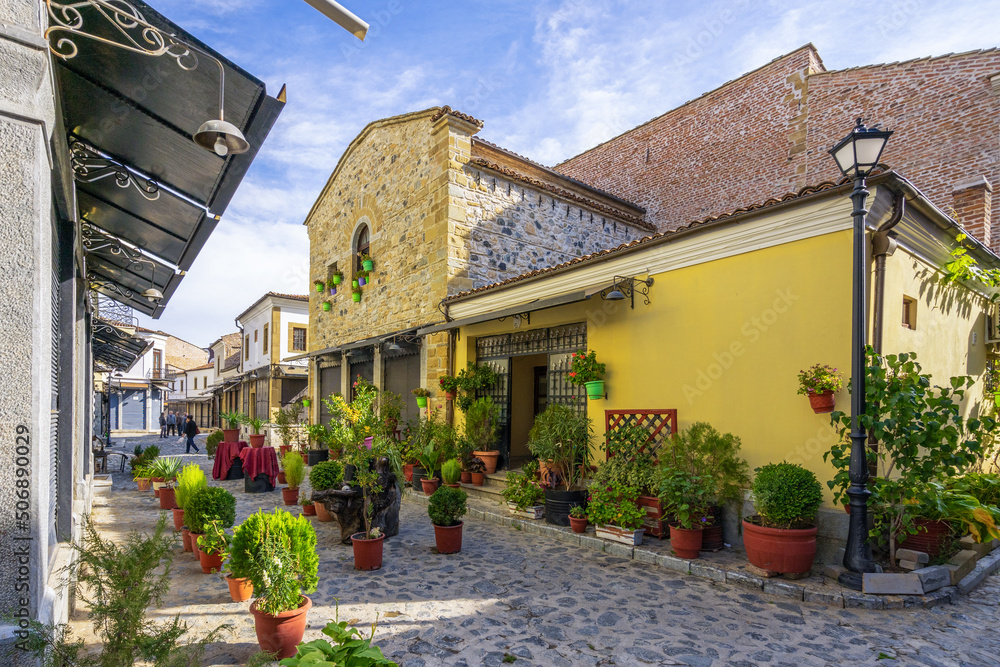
point(744, 579)
point(909, 564)
point(782, 589)
point(620, 550)
point(912, 555)
point(707, 571)
point(973, 579)
point(832, 598)
point(959, 572)
point(963, 557)
point(855, 600)
point(970, 544)
point(891, 583)
point(674, 563)
point(933, 578)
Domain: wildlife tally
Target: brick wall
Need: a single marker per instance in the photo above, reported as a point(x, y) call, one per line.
point(767, 133)
point(183, 354)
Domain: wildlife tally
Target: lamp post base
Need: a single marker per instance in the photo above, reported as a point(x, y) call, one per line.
point(852, 580)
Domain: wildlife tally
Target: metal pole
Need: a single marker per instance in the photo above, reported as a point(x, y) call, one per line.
point(858, 553)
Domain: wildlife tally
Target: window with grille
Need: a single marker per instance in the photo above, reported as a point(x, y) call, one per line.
point(298, 339)
point(361, 246)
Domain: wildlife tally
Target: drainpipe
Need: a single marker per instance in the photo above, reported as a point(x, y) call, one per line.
point(884, 245)
point(450, 407)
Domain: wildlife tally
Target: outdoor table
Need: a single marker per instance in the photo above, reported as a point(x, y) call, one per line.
point(224, 455)
point(260, 461)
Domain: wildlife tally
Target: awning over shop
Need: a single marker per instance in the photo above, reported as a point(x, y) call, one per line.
point(528, 307)
point(116, 347)
point(130, 115)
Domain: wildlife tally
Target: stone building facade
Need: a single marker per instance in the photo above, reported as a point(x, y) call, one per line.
point(440, 212)
point(767, 133)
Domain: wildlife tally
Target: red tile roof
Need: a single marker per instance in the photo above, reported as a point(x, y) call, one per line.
point(447, 110)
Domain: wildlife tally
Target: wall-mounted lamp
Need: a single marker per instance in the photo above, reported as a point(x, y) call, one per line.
point(625, 288)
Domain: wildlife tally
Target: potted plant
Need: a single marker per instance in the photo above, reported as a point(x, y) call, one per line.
point(277, 552)
point(356, 292)
point(615, 513)
point(295, 472)
point(587, 372)
point(578, 519)
point(451, 472)
point(210, 503)
point(319, 436)
point(337, 278)
point(232, 421)
point(324, 476)
point(143, 476)
point(686, 497)
point(820, 382)
point(366, 262)
point(561, 436)
point(256, 438)
point(421, 395)
point(213, 547)
point(190, 480)
point(477, 471)
point(240, 586)
point(482, 418)
point(327, 306)
point(319, 285)
point(165, 470)
point(308, 506)
point(362, 278)
point(524, 496)
point(428, 457)
point(472, 380)
point(631, 462)
point(781, 537)
point(446, 508)
point(368, 545)
point(449, 385)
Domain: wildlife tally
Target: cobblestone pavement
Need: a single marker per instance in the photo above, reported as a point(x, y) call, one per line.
point(512, 594)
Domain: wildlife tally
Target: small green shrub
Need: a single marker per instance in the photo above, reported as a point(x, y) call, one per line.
point(447, 506)
point(687, 497)
point(451, 471)
point(786, 495)
point(190, 479)
point(325, 475)
point(208, 503)
point(522, 490)
point(277, 552)
point(212, 442)
point(349, 648)
point(295, 469)
point(615, 506)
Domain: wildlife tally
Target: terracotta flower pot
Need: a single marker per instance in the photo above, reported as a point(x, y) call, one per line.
point(309, 510)
point(466, 477)
point(178, 518)
point(257, 440)
point(490, 459)
point(157, 485)
point(284, 449)
point(290, 495)
point(822, 403)
point(194, 544)
point(456, 485)
point(478, 478)
point(448, 538)
point(686, 542)
point(578, 525)
point(168, 500)
point(367, 553)
point(449, 395)
point(322, 513)
point(930, 537)
point(281, 633)
point(429, 485)
point(788, 551)
point(144, 483)
point(408, 471)
point(281, 477)
point(210, 562)
point(240, 588)
point(186, 538)
point(230, 435)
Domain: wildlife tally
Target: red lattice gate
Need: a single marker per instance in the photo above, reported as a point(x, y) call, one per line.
point(661, 424)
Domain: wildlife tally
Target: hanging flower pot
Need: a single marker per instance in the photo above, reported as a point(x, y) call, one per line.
point(421, 401)
point(356, 296)
point(362, 282)
point(595, 389)
point(368, 264)
point(822, 403)
point(319, 286)
point(306, 402)
point(333, 291)
point(996, 399)
point(449, 395)
point(337, 278)
point(327, 306)
point(354, 283)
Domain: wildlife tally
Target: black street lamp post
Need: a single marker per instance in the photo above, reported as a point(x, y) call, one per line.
point(857, 155)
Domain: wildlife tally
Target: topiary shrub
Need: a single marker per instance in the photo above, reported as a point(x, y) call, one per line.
point(325, 475)
point(212, 443)
point(208, 503)
point(190, 480)
point(295, 469)
point(447, 506)
point(451, 471)
point(786, 495)
point(277, 552)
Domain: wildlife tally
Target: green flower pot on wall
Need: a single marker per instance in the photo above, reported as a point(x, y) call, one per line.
point(326, 306)
point(595, 389)
point(354, 283)
point(356, 296)
point(337, 278)
point(319, 287)
point(368, 264)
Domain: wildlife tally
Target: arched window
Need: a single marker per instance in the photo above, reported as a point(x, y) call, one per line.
point(361, 245)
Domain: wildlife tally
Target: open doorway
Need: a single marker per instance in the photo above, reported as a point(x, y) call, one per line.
point(528, 397)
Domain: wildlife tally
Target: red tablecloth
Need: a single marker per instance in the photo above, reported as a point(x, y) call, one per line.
point(224, 456)
point(260, 460)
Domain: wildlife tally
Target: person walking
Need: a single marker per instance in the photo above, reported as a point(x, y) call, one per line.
point(191, 430)
point(171, 423)
point(163, 425)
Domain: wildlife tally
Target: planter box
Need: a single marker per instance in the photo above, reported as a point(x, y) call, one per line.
point(655, 522)
point(535, 512)
point(633, 538)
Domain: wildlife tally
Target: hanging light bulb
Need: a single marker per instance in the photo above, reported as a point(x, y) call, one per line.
point(221, 149)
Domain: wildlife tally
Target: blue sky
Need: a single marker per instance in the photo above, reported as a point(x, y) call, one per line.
point(550, 78)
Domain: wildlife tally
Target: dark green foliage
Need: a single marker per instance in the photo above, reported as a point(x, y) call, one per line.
point(984, 487)
point(715, 457)
point(210, 502)
point(523, 491)
point(686, 497)
point(473, 379)
point(786, 495)
point(212, 442)
point(447, 506)
point(561, 436)
point(277, 552)
point(349, 649)
point(630, 461)
point(326, 475)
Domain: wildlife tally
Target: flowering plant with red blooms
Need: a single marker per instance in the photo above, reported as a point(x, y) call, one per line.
point(449, 383)
point(819, 379)
point(586, 368)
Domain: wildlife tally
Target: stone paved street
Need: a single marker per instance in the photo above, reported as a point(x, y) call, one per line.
point(509, 593)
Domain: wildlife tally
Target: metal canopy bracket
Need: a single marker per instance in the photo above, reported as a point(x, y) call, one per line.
point(625, 288)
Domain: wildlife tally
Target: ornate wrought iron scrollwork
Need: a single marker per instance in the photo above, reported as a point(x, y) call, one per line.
point(130, 30)
point(97, 241)
point(626, 288)
point(90, 166)
point(519, 319)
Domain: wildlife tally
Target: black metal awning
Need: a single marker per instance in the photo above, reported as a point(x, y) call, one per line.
point(117, 347)
point(130, 118)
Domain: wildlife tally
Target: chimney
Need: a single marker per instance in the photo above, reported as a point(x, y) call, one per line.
point(972, 203)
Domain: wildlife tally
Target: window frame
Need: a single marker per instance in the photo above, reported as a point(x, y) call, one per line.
point(305, 339)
